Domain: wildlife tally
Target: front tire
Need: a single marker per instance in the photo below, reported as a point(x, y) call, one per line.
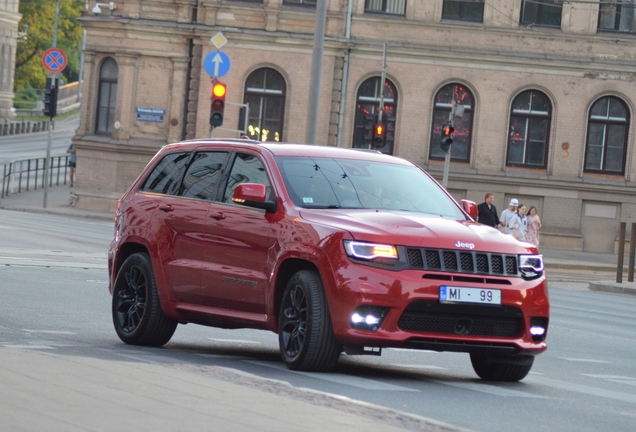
point(305, 333)
point(137, 314)
point(510, 369)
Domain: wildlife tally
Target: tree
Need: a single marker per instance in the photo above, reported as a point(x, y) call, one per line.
point(39, 16)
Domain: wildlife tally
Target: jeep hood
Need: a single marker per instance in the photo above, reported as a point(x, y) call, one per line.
point(417, 230)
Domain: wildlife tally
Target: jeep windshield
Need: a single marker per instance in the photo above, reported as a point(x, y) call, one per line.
point(329, 183)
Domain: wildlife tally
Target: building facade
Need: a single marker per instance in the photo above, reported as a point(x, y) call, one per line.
point(546, 89)
point(9, 19)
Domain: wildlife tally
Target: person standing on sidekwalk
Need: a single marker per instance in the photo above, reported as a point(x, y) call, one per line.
point(534, 225)
point(72, 162)
point(488, 211)
point(518, 224)
point(507, 214)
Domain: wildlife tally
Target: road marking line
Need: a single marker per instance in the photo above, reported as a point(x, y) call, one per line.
point(222, 356)
point(57, 332)
point(616, 377)
point(29, 347)
point(417, 366)
point(235, 341)
point(490, 389)
point(580, 388)
point(584, 360)
point(353, 381)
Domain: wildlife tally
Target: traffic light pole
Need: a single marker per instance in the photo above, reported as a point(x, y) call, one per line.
point(47, 161)
point(451, 119)
point(382, 83)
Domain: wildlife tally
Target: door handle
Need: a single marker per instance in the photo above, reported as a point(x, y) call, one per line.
point(218, 216)
point(166, 207)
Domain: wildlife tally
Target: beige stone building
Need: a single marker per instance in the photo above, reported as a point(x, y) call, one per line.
point(547, 88)
point(9, 19)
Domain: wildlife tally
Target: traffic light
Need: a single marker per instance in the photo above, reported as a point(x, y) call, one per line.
point(447, 136)
point(50, 98)
point(379, 133)
point(218, 104)
point(389, 136)
point(369, 123)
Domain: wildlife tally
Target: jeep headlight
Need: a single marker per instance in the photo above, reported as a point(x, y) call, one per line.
point(531, 266)
point(370, 251)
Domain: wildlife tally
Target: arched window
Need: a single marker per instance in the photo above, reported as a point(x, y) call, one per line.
point(107, 97)
point(460, 150)
point(529, 134)
point(607, 132)
point(367, 109)
point(265, 94)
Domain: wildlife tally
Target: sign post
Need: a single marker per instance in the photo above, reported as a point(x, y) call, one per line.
point(54, 61)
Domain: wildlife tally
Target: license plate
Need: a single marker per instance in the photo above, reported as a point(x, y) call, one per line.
point(449, 294)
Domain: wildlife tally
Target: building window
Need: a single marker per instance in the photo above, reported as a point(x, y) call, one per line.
point(107, 97)
point(300, 2)
point(607, 133)
point(460, 149)
point(541, 12)
point(368, 103)
point(617, 16)
point(394, 7)
point(265, 94)
point(529, 133)
point(463, 10)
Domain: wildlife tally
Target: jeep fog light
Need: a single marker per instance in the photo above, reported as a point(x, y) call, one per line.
point(369, 251)
point(538, 328)
point(368, 318)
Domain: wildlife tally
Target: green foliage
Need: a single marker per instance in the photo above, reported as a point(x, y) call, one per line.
point(26, 97)
point(39, 16)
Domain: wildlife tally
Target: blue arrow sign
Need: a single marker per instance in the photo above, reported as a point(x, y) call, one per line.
point(216, 64)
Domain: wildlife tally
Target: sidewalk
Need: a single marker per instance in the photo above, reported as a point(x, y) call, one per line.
point(599, 268)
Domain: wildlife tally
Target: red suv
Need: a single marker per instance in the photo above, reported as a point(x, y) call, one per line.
point(333, 249)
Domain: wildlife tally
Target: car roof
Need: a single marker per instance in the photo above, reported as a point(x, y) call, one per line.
point(291, 149)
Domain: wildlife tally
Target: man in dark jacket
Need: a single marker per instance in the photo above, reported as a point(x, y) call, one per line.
point(488, 211)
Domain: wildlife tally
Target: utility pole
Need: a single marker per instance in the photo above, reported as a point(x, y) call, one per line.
point(316, 72)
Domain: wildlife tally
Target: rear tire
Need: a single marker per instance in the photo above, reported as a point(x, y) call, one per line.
point(137, 314)
point(305, 333)
point(510, 369)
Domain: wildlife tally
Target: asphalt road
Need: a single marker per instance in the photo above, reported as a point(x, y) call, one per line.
point(33, 146)
point(55, 299)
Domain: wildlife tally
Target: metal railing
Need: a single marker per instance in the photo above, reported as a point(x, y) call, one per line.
point(29, 174)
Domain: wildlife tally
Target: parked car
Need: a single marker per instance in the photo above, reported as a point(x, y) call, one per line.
point(336, 250)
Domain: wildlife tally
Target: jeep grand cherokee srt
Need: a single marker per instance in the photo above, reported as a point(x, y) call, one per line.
point(336, 250)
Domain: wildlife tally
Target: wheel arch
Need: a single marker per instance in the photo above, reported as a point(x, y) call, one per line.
point(286, 270)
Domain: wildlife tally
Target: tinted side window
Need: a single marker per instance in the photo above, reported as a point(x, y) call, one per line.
point(203, 175)
point(166, 177)
point(246, 169)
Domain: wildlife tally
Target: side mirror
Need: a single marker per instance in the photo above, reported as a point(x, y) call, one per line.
point(470, 208)
point(253, 195)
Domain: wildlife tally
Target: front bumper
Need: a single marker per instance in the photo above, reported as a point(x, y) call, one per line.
point(415, 318)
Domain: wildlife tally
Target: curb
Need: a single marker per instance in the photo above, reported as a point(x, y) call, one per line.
point(614, 287)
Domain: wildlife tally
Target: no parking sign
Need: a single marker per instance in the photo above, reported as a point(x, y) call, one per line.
point(54, 60)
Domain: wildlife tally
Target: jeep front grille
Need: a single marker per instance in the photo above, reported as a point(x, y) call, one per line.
point(462, 261)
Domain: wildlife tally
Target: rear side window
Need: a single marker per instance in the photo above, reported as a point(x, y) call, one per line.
point(247, 168)
point(203, 175)
point(166, 177)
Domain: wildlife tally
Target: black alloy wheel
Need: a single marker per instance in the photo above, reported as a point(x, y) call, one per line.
point(305, 333)
point(137, 314)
